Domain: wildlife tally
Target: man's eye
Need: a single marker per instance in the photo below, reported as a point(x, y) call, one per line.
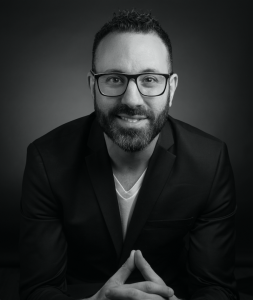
point(113, 79)
point(150, 79)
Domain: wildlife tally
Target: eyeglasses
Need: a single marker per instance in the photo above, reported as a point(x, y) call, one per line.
point(115, 84)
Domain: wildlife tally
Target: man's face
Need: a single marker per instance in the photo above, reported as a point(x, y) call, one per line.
point(132, 120)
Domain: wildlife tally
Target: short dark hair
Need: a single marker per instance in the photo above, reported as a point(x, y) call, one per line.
point(131, 21)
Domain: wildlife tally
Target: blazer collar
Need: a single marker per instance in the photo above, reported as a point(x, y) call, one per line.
point(96, 139)
point(166, 139)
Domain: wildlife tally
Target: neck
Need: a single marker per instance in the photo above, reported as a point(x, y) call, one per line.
point(122, 160)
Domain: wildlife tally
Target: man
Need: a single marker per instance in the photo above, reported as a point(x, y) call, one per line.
point(128, 203)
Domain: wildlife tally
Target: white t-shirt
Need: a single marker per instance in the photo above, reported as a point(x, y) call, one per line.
point(127, 200)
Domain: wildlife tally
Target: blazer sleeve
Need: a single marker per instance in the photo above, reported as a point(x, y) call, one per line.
point(43, 247)
point(212, 240)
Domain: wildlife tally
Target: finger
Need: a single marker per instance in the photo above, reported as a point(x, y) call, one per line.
point(123, 293)
point(122, 274)
point(152, 288)
point(147, 272)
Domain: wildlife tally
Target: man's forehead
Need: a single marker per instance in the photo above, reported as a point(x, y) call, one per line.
point(132, 52)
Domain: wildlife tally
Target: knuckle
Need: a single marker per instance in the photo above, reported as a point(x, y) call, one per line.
point(146, 265)
point(132, 293)
point(117, 282)
point(106, 292)
point(125, 267)
point(149, 286)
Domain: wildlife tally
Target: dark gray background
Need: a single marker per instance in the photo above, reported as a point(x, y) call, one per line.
point(46, 54)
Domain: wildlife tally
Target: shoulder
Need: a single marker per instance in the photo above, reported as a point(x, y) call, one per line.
point(68, 131)
point(192, 136)
point(196, 146)
point(191, 131)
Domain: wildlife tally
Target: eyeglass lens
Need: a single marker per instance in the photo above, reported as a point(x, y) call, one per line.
point(116, 84)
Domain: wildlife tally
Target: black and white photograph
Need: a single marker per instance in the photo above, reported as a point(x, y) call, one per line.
point(126, 150)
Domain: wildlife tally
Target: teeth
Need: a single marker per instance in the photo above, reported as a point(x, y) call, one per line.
point(130, 120)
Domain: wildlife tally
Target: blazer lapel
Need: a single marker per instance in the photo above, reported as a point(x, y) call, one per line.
point(100, 171)
point(157, 174)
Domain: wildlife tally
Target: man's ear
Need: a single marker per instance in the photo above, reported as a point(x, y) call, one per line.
point(91, 84)
point(173, 81)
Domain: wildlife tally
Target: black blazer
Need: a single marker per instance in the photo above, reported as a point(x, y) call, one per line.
point(183, 222)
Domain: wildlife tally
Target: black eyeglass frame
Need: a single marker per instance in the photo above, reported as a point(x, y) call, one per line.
point(130, 76)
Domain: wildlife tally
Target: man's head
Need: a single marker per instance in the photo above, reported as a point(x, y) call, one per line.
point(135, 22)
point(132, 111)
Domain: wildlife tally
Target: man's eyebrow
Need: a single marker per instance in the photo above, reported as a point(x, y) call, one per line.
point(113, 71)
point(150, 71)
point(142, 71)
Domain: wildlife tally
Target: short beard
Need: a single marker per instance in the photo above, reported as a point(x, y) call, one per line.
point(131, 139)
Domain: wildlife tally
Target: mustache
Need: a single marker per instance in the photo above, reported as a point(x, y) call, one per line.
point(130, 111)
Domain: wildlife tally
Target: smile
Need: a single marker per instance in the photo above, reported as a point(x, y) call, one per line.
point(130, 119)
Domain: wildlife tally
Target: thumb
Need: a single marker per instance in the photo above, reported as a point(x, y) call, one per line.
point(147, 272)
point(123, 273)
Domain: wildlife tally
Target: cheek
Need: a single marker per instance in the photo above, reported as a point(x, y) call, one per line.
point(105, 104)
point(157, 105)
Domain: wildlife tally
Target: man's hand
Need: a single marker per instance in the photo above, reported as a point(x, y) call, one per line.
point(117, 279)
point(153, 288)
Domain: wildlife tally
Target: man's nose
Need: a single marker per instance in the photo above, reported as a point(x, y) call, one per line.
point(132, 96)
